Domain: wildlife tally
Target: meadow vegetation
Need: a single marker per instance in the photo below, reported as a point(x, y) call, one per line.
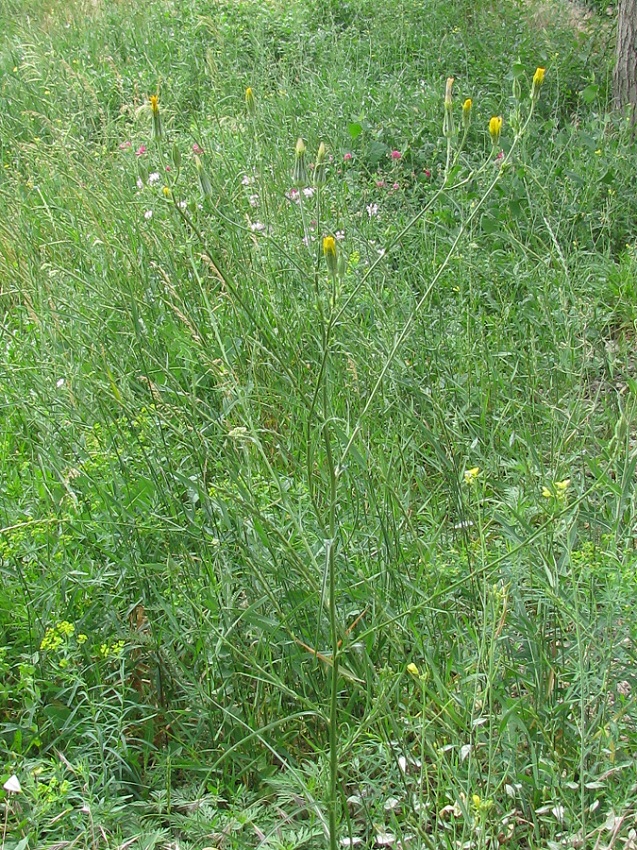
point(317, 427)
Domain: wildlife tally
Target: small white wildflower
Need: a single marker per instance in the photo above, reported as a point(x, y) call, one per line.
point(154, 178)
point(381, 252)
point(140, 183)
point(339, 235)
point(292, 195)
point(254, 200)
point(60, 383)
point(257, 226)
point(12, 785)
point(148, 214)
point(182, 205)
point(308, 192)
point(372, 210)
point(246, 180)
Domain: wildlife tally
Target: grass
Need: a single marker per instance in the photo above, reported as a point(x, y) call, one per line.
point(292, 558)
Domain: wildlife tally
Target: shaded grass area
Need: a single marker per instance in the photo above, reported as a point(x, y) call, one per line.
point(195, 419)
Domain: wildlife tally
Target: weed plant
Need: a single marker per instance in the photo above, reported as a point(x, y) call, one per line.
point(318, 456)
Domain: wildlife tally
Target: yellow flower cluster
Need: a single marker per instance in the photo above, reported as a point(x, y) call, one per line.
point(55, 636)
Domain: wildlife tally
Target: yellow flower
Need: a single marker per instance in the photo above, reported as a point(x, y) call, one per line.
point(158, 131)
point(475, 799)
point(250, 102)
point(471, 475)
point(538, 79)
point(466, 111)
point(166, 192)
point(329, 252)
point(495, 127)
point(562, 486)
point(411, 668)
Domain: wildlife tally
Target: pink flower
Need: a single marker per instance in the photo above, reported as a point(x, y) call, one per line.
point(396, 155)
point(196, 149)
point(141, 150)
point(396, 186)
point(427, 173)
point(380, 184)
point(347, 157)
point(168, 168)
point(125, 146)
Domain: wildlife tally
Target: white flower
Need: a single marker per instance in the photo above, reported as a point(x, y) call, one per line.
point(182, 205)
point(339, 235)
point(308, 192)
point(372, 209)
point(140, 183)
point(381, 252)
point(257, 226)
point(254, 200)
point(154, 178)
point(246, 180)
point(148, 214)
point(12, 785)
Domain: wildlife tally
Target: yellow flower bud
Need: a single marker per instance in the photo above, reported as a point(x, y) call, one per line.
point(413, 669)
point(154, 111)
point(495, 127)
point(466, 112)
point(250, 101)
point(538, 79)
point(329, 252)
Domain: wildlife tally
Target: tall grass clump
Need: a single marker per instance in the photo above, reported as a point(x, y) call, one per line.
point(317, 427)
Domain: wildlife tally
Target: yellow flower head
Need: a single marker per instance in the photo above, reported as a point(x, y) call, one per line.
point(466, 111)
point(411, 668)
point(154, 111)
point(250, 102)
point(471, 475)
point(329, 252)
point(495, 127)
point(538, 79)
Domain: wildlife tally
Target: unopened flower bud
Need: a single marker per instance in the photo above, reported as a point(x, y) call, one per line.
point(204, 180)
point(466, 112)
point(299, 173)
point(447, 124)
point(329, 252)
point(158, 131)
point(495, 127)
point(538, 80)
point(320, 166)
point(251, 105)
